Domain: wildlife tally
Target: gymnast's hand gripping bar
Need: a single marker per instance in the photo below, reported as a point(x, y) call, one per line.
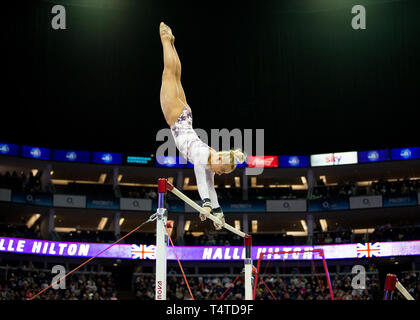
point(164, 185)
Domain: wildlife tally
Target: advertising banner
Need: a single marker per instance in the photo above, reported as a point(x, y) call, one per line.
point(146, 161)
point(102, 203)
point(400, 200)
point(341, 158)
point(294, 161)
point(9, 149)
point(263, 161)
point(243, 206)
point(70, 201)
point(35, 199)
point(36, 153)
point(135, 204)
point(328, 204)
point(71, 156)
point(365, 202)
point(405, 153)
point(333, 159)
point(325, 159)
point(298, 205)
point(373, 155)
point(107, 158)
point(208, 253)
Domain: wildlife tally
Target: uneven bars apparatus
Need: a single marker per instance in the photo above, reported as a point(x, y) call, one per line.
point(391, 282)
point(162, 240)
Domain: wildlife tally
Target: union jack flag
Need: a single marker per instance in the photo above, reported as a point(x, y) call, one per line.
point(368, 250)
point(143, 251)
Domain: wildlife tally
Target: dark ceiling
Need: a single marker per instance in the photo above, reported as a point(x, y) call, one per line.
point(293, 68)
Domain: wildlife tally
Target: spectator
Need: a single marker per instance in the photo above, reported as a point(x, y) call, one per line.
point(22, 285)
point(337, 239)
point(328, 239)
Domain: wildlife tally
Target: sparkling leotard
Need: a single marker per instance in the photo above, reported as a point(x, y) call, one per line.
point(197, 152)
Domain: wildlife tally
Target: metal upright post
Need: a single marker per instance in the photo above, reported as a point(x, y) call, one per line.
point(248, 268)
point(161, 242)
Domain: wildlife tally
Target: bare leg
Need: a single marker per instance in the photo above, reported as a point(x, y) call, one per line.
point(172, 105)
point(178, 76)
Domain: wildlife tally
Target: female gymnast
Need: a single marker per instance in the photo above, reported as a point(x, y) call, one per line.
point(178, 115)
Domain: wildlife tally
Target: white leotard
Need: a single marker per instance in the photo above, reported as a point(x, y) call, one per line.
point(197, 152)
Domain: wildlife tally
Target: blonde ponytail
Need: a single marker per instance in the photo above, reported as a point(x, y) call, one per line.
point(231, 157)
point(238, 155)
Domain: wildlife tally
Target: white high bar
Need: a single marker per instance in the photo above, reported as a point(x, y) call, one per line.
point(200, 209)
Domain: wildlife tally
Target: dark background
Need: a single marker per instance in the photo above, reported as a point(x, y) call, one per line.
point(295, 68)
